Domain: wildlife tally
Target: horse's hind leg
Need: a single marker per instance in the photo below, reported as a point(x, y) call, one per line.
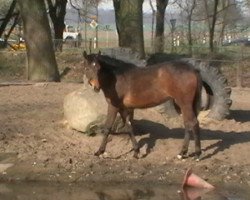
point(128, 118)
point(191, 126)
point(112, 112)
point(196, 133)
point(132, 136)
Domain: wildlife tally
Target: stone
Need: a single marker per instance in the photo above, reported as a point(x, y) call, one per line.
point(84, 109)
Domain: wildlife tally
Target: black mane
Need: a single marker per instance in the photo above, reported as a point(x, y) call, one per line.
point(114, 65)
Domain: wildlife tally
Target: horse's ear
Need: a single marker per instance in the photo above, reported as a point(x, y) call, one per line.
point(85, 55)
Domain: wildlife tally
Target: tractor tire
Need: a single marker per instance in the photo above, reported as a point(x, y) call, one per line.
point(216, 88)
point(215, 92)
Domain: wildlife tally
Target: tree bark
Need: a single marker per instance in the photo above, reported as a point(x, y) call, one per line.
point(160, 19)
point(129, 24)
point(42, 64)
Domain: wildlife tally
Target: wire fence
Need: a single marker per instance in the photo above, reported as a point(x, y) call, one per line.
point(232, 52)
point(233, 61)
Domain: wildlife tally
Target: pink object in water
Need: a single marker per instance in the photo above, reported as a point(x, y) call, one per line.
point(193, 180)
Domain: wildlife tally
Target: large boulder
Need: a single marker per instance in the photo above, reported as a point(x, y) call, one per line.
point(85, 109)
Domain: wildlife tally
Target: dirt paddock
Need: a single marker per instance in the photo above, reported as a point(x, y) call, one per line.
point(37, 144)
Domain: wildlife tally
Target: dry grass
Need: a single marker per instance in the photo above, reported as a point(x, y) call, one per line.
point(13, 66)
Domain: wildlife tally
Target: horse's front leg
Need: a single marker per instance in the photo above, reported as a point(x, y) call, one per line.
point(128, 119)
point(112, 112)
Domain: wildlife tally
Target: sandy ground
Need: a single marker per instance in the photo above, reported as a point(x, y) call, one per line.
point(37, 144)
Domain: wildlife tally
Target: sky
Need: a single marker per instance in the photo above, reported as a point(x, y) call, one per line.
point(108, 4)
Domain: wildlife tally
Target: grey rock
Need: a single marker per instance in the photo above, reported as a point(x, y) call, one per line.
point(84, 109)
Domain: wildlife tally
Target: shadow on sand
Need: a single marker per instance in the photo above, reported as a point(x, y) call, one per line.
point(240, 115)
point(158, 131)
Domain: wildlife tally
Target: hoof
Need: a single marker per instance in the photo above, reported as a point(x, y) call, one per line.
point(98, 153)
point(182, 156)
point(197, 158)
point(136, 154)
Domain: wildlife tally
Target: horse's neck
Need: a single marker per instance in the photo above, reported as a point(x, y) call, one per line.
point(115, 65)
point(106, 76)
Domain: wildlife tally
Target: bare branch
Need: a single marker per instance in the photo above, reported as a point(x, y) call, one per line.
point(8, 17)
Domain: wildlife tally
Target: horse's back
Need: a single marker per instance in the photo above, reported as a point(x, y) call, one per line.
point(183, 81)
point(169, 74)
point(174, 67)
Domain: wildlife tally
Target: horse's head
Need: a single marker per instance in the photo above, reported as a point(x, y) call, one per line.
point(91, 69)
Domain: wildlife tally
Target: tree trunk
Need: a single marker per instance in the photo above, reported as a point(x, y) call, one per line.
point(189, 18)
point(57, 14)
point(223, 24)
point(152, 24)
point(129, 24)
point(42, 64)
point(160, 19)
point(211, 24)
point(190, 39)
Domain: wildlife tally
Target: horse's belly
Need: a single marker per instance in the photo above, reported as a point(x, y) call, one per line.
point(143, 102)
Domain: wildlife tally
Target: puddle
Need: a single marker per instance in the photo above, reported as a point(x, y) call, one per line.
point(107, 191)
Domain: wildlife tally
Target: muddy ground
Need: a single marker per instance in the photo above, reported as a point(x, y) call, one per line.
point(37, 144)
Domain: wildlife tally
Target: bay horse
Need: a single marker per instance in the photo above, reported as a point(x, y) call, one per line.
point(129, 87)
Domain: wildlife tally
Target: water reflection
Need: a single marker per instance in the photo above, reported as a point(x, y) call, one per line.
point(191, 193)
point(47, 191)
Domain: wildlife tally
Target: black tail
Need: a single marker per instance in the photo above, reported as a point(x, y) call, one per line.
point(197, 98)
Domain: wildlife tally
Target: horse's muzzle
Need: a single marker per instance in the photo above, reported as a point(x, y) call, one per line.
point(93, 83)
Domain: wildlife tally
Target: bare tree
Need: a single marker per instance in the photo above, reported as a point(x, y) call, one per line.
point(211, 21)
point(153, 22)
point(228, 16)
point(42, 64)
point(57, 11)
point(5, 5)
point(188, 7)
point(88, 11)
point(8, 16)
point(160, 19)
point(215, 14)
